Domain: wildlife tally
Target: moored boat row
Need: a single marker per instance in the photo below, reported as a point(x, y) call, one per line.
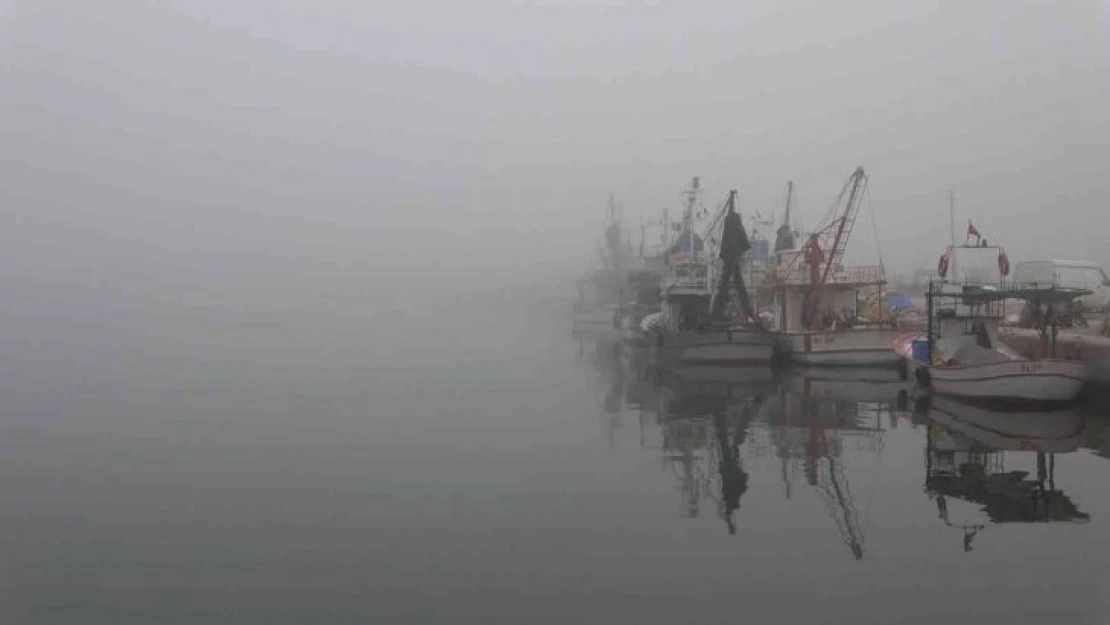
point(694, 306)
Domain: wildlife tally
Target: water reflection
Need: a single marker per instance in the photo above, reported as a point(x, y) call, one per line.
point(726, 433)
point(705, 414)
point(818, 411)
point(967, 450)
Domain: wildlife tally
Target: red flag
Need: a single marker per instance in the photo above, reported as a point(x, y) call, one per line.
point(972, 231)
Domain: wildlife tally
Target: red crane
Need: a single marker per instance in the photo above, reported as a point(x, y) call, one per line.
point(824, 250)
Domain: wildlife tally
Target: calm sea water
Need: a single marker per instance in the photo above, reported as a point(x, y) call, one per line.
point(486, 467)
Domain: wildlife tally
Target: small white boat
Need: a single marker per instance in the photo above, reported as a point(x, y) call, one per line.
point(960, 353)
point(994, 374)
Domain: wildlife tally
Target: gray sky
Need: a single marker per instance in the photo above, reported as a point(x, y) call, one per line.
point(348, 140)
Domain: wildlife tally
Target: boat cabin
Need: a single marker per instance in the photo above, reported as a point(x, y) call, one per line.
point(686, 291)
point(967, 305)
point(790, 289)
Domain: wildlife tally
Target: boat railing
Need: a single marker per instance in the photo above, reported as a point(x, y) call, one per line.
point(1043, 291)
point(966, 300)
point(688, 278)
point(800, 275)
point(686, 286)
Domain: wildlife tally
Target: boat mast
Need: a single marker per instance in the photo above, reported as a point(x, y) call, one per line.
point(952, 226)
point(643, 230)
point(666, 235)
point(613, 239)
point(688, 218)
point(784, 237)
point(789, 197)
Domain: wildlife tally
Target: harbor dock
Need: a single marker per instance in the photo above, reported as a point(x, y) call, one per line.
point(1092, 349)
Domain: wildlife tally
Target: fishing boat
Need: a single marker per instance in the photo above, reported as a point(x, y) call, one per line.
point(598, 307)
point(815, 299)
point(960, 353)
point(644, 284)
point(686, 330)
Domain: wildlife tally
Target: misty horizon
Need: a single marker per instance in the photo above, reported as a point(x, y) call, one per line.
point(274, 135)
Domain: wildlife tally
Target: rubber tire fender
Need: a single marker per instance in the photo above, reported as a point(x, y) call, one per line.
point(924, 380)
point(903, 370)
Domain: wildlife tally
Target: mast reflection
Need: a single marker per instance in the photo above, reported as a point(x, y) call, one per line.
point(706, 414)
point(827, 431)
point(816, 412)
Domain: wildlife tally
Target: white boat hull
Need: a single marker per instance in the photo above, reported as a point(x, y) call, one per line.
point(1019, 379)
point(1091, 349)
point(724, 347)
point(862, 347)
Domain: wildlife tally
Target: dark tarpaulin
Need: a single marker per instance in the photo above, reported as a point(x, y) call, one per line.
point(734, 240)
point(734, 243)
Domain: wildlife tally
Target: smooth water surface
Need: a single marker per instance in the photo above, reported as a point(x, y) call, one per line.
point(484, 466)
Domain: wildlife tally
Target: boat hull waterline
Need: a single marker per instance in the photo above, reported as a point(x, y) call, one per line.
point(728, 347)
point(1030, 380)
point(843, 348)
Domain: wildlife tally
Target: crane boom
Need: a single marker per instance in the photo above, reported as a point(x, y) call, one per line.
point(854, 187)
point(832, 485)
point(833, 236)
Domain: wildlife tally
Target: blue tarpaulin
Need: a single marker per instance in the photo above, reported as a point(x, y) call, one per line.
point(898, 301)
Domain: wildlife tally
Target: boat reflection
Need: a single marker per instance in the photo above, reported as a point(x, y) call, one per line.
point(705, 414)
point(967, 448)
point(724, 432)
point(816, 412)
